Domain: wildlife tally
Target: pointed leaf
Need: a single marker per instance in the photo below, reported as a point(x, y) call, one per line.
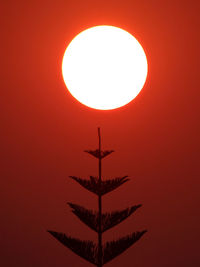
point(110, 219)
point(111, 184)
point(98, 155)
point(91, 185)
point(106, 185)
point(89, 217)
point(114, 248)
point(85, 249)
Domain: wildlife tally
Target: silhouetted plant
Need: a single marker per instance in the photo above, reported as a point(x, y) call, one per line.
point(99, 254)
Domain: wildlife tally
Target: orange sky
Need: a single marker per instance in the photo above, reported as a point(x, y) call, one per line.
point(44, 131)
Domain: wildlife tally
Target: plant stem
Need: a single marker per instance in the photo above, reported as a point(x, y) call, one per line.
point(100, 207)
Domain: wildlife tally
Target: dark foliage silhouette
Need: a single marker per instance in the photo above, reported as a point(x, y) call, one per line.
point(114, 248)
point(86, 249)
point(103, 188)
point(109, 219)
point(99, 254)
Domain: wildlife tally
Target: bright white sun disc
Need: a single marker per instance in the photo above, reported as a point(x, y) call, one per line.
point(104, 67)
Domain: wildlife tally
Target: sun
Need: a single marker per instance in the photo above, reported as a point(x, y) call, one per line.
point(104, 67)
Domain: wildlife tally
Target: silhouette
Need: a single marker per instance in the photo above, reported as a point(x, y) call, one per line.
point(99, 254)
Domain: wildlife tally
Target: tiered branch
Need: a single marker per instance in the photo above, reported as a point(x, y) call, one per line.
point(108, 219)
point(99, 254)
point(105, 187)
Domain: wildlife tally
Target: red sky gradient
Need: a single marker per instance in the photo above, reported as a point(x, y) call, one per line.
point(44, 131)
